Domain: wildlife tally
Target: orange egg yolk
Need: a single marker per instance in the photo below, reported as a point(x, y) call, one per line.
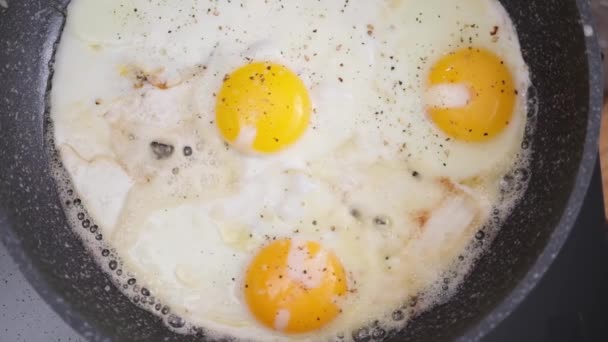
point(489, 90)
point(262, 107)
point(294, 287)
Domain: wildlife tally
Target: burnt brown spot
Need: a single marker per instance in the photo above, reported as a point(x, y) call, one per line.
point(422, 217)
point(370, 29)
point(448, 185)
point(140, 79)
point(160, 85)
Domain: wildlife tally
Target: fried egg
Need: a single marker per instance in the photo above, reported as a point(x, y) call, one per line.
point(289, 170)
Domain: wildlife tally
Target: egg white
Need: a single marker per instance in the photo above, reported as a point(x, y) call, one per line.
point(187, 226)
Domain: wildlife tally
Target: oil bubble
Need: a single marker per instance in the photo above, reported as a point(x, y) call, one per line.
point(398, 315)
point(378, 333)
point(362, 335)
point(176, 321)
point(113, 265)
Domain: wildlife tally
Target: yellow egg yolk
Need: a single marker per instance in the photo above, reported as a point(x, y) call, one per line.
point(293, 287)
point(489, 90)
point(262, 107)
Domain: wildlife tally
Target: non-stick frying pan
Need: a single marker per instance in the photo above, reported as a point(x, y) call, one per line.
point(558, 44)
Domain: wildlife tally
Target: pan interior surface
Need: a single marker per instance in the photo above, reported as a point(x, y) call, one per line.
point(38, 235)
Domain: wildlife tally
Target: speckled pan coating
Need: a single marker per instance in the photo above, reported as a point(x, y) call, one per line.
point(559, 45)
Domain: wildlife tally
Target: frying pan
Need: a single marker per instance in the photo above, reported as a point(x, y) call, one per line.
point(560, 48)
